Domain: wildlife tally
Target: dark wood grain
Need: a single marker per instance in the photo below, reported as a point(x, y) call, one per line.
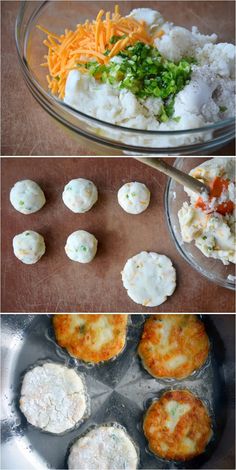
point(28, 130)
point(57, 284)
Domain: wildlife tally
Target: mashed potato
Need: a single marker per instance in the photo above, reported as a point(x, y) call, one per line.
point(29, 246)
point(212, 232)
point(27, 197)
point(134, 197)
point(207, 98)
point(80, 195)
point(81, 246)
point(149, 278)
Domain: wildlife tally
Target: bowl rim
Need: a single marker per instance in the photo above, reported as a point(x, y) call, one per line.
point(70, 110)
point(216, 280)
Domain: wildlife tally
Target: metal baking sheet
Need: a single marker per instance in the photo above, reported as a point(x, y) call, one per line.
point(120, 391)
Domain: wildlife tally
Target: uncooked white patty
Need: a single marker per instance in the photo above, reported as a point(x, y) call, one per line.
point(28, 246)
point(103, 448)
point(149, 278)
point(134, 197)
point(81, 246)
point(80, 195)
point(27, 197)
point(53, 397)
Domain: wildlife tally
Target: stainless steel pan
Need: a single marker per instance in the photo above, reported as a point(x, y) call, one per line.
point(120, 390)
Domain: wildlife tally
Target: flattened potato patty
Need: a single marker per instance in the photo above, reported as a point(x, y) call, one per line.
point(177, 426)
point(53, 397)
point(104, 448)
point(173, 346)
point(92, 338)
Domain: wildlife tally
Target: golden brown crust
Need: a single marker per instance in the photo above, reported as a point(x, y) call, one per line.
point(173, 346)
point(91, 337)
point(191, 433)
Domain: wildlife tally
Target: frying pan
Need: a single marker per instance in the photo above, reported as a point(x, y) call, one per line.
point(120, 390)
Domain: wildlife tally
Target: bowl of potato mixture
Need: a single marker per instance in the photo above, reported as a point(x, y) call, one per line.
point(130, 79)
point(203, 227)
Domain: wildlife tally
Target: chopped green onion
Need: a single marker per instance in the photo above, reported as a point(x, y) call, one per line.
point(223, 109)
point(146, 73)
point(115, 38)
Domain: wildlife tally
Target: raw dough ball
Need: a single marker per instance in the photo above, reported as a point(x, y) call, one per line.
point(53, 397)
point(28, 246)
point(27, 197)
point(106, 448)
point(80, 195)
point(149, 278)
point(81, 246)
point(134, 198)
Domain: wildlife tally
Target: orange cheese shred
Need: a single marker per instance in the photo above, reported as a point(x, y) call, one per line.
point(89, 41)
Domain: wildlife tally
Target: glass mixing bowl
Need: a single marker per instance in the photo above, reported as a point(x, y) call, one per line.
point(175, 195)
point(104, 137)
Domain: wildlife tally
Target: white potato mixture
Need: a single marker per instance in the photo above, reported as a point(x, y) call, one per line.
point(207, 97)
point(134, 197)
point(80, 195)
point(104, 448)
point(149, 278)
point(53, 397)
point(213, 228)
point(27, 197)
point(81, 246)
point(29, 246)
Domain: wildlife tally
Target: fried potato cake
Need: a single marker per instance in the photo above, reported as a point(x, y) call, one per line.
point(91, 337)
point(173, 346)
point(177, 426)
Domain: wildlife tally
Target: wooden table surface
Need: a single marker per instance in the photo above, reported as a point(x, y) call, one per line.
point(57, 284)
point(28, 130)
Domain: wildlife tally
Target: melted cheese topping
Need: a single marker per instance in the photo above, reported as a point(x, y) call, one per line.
point(175, 410)
point(92, 338)
point(177, 426)
point(173, 346)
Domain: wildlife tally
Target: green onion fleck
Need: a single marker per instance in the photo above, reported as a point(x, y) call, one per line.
point(223, 109)
point(115, 38)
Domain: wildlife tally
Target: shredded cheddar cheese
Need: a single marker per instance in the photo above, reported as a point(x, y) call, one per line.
point(90, 41)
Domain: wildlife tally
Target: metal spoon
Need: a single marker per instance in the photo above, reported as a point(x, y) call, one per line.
point(179, 176)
